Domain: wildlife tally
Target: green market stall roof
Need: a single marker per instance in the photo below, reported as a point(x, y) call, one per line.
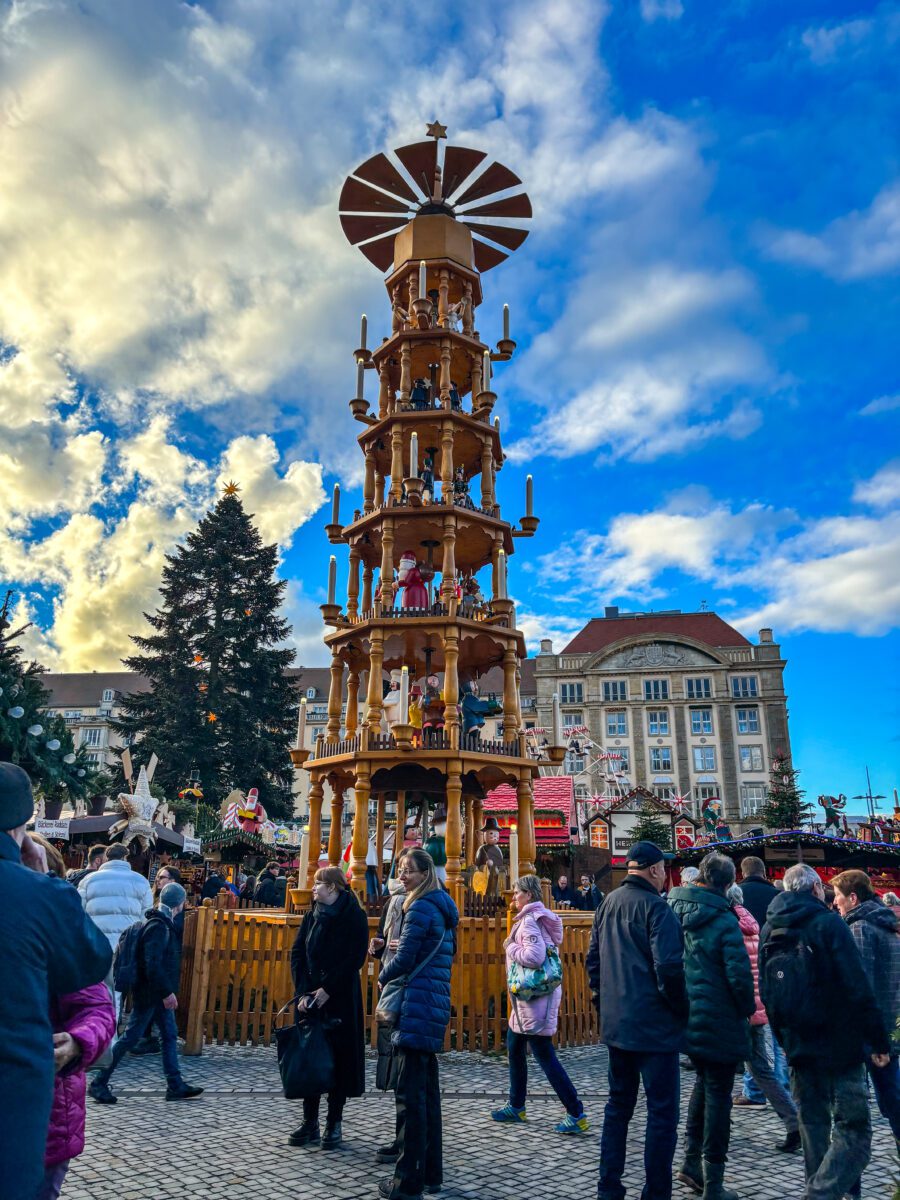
point(235, 842)
point(849, 852)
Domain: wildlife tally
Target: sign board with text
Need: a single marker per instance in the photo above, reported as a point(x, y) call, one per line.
point(191, 845)
point(52, 829)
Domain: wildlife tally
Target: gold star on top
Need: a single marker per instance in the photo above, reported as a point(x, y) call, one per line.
point(231, 488)
point(436, 130)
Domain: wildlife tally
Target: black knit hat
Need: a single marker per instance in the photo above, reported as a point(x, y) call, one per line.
point(16, 802)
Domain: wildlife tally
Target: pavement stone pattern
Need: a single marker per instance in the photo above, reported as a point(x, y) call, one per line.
point(231, 1142)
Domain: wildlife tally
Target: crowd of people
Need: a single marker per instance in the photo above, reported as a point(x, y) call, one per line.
point(732, 975)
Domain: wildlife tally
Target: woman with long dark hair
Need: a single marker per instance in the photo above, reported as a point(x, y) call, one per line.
point(425, 948)
point(328, 952)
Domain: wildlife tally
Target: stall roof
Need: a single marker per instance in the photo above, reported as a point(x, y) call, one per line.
point(552, 793)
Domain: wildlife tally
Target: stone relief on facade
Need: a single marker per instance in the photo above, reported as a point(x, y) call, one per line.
point(656, 656)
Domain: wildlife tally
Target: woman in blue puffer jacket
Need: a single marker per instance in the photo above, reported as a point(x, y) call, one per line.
point(427, 928)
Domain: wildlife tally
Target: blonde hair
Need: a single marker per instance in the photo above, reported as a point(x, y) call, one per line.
point(423, 862)
point(55, 864)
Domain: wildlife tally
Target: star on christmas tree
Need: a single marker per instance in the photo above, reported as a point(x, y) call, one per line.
point(231, 488)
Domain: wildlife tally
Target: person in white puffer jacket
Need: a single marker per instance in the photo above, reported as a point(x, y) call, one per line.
point(114, 896)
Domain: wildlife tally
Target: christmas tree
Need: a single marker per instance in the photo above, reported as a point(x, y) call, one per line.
point(784, 807)
point(40, 744)
point(652, 826)
point(216, 659)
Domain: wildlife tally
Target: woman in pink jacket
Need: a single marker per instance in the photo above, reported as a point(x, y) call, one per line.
point(533, 1022)
point(760, 1065)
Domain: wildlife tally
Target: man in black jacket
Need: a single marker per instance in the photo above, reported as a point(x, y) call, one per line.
point(266, 892)
point(155, 998)
point(636, 969)
point(827, 1034)
point(758, 892)
point(564, 894)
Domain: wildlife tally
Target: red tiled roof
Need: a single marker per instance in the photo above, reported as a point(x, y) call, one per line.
point(702, 626)
point(552, 793)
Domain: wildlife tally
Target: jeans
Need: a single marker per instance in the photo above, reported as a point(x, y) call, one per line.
point(542, 1049)
point(142, 1017)
point(418, 1094)
point(762, 1073)
point(776, 1054)
point(54, 1177)
point(708, 1127)
point(835, 1128)
point(660, 1077)
point(334, 1113)
point(886, 1085)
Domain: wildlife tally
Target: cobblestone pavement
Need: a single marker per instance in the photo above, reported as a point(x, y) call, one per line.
point(232, 1141)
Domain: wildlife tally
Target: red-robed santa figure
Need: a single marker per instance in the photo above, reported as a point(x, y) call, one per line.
point(415, 594)
point(251, 813)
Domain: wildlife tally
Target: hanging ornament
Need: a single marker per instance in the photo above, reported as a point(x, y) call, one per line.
point(211, 717)
point(35, 730)
point(1, 691)
point(16, 712)
point(198, 658)
point(81, 774)
point(69, 758)
point(53, 744)
point(248, 612)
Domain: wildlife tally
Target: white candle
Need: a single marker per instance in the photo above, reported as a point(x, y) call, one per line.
point(506, 322)
point(497, 424)
point(414, 455)
point(501, 575)
point(303, 873)
point(332, 579)
point(363, 330)
point(360, 379)
point(513, 854)
point(557, 721)
point(529, 496)
point(423, 280)
point(404, 696)
point(301, 724)
point(336, 505)
point(486, 372)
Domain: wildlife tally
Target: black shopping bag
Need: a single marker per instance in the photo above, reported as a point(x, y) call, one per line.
point(305, 1056)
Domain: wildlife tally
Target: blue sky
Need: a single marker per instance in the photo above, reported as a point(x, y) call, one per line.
point(706, 387)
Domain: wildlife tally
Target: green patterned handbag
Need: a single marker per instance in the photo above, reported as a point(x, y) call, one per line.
point(528, 983)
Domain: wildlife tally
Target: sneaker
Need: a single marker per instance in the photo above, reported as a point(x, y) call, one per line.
point(573, 1125)
point(509, 1114)
point(100, 1092)
point(745, 1102)
point(184, 1092)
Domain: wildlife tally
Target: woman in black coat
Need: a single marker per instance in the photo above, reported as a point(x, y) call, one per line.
point(329, 950)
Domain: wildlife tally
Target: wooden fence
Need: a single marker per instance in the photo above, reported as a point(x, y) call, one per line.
point(236, 976)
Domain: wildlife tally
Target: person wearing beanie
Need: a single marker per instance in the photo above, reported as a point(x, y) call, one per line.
point(49, 948)
point(154, 998)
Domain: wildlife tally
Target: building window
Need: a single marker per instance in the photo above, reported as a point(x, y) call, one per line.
point(657, 721)
point(72, 714)
point(571, 719)
point(582, 791)
point(571, 693)
point(704, 758)
point(93, 757)
point(92, 736)
point(656, 689)
point(753, 797)
point(707, 791)
point(743, 686)
point(574, 764)
point(615, 690)
point(108, 696)
point(623, 764)
point(698, 688)
point(663, 791)
point(616, 724)
point(701, 721)
point(751, 758)
point(661, 758)
point(748, 720)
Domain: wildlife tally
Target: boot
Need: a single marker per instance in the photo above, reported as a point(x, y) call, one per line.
point(690, 1173)
point(331, 1139)
point(388, 1154)
point(179, 1090)
point(306, 1135)
point(791, 1143)
point(99, 1091)
point(714, 1182)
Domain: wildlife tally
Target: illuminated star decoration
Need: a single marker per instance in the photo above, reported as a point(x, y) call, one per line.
point(211, 717)
point(231, 488)
point(436, 130)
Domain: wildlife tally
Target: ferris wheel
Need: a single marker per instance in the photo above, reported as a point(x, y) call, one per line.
point(598, 761)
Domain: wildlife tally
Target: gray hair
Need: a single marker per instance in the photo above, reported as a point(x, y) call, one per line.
point(689, 875)
point(735, 894)
point(530, 886)
point(800, 878)
point(717, 872)
point(170, 897)
point(891, 899)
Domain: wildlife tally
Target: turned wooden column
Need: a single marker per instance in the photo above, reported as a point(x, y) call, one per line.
point(476, 378)
point(379, 836)
point(447, 463)
point(477, 822)
point(400, 825)
point(360, 830)
point(374, 696)
point(454, 828)
point(527, 844)
point(352, 719)
point(448, 566)
point(510, 697)
point(469, 831)
point(495, 565)
point(333, 729)
point(335, 848)
point(451, 685)
point(379, 490)
point(316, 794)
point(468, 311)
point(405, 374)
point(397, 465)
point(384, 390)
point(353, 584)
point(387, 563)
point(369, 481)
point(487, 474)
point(413, 288)
point(367, 588)
point(445, 372)
point(443, 297)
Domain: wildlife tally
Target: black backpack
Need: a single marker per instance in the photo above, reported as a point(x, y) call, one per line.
point(789, 977)
point(125, 959)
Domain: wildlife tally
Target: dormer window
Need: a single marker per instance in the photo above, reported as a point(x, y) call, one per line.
point(310, 693)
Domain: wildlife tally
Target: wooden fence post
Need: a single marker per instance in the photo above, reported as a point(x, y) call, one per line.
point(193, 1041)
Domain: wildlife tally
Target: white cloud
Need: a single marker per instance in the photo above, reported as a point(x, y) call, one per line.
point(883, 404)
point(666, 10)
point(826, 43)
point(280, 504)
point(856, 246)
point(163, 469)
point(883, 489)
point(45, 471)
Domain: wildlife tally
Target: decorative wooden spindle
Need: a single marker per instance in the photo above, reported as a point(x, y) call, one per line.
point(443, 298)
point(351, 719)
point(487, 474)
point(405, 375)
point(447, 462)
point(468, 315)
point(451, 685)
point(333, 728)
point(396, 465)
point(353, 584)
point(368, 573)
point(369, 481)
point(316, 794)
point(453, 839)
point(360, 844)
point(379, 490)
point(335, 849)
point(510, 695)
point(527, 843)
point(374, 708)
point(445, 372)
point(384, 391)
point(448, 565)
